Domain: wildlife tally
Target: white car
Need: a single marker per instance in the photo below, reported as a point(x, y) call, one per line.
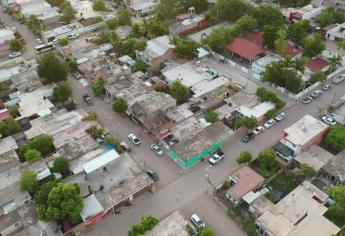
point(281, 116)
point(157, 149)
point(73, 36)
point(14, 54)
point(197, 221)
point(328, 120)
point(270, 123)
point(39, 41)
point(134, 139)
point(258, 129)
point(55, 41)
point(218, 156)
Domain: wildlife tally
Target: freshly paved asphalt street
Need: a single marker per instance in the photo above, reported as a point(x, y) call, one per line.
point(181, 189)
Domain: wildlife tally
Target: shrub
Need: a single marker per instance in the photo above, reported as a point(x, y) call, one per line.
point(92, 116)
point(61, 165)
point(244, 157)
point(211, 117)
point(42, 143)
point(32, 155)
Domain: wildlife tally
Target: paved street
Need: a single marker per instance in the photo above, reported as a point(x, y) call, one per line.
point(30, 39)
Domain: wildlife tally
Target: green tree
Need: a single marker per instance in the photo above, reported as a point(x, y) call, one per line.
point(244, 157)
point(250, 122)
point(62, 92)
point(330, 16)
point(63, 42)
point(281, 42)
point(179, 92)
point(14, 110)
point(268, 162)
point(335, 138)
point(32, 156)
point(9, 127)
point(68, 12)
point(337, 193)
point(211, 116)
point(205, 232)
point(51, 69)
point(92, 116)
point(269, 16)
point(71, 64)
point(115, 142)
point(298, 31)
point(270, 114)
point(231, 10)
point(99, 5)
point(167, 9)
point(136, 31)
point(270, 35)
point(199, 5)
point(124, 17)
point(294, 3)
point(98, 88)
point(16, 45)
point(28, 181)
point(246, 24)
point(42, 143)
point(139, 66)
point(112, 23)
point(61, 165)
point(4, 87)
point(313, 45)
point(307, 171)
point(341, 44)
point(218, 38)
point(34, 25)
point(129, 46)
point(186, 49)
point(64, 201)
point(120, 105)
point(154, 28)
point(318, 76)
point(334, 62)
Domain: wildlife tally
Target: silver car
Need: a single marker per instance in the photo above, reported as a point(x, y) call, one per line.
point(134, 139)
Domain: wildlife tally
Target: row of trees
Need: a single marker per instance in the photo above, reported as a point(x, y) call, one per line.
point(149, 29)
point(168, 9)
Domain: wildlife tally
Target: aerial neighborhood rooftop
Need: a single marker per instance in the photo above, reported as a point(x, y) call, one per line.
point(172, 118)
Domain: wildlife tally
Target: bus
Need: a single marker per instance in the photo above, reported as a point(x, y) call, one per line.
point(44, 47)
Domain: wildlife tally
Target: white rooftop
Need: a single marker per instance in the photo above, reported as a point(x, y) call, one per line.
point(315, 157)
point(6, 35)
point(7, 144)
point(91, 207)
point(143, 5)
point(173, 225)
point(157, 47)
point(304, 130)
point(189, 74)
point(207, 86)
point(100, 161)
point(300, 213)
point(264, 61)
point(256, 111)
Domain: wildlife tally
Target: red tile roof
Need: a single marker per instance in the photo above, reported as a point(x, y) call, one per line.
point(316, 64)
point(4, 114)
point(256, 37)
point(245, 48)
point(292, 51)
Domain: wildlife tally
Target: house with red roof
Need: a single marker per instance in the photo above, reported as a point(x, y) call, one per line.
point(317, 64)
point(248, 47)
point(4, 114)
point(292, 51)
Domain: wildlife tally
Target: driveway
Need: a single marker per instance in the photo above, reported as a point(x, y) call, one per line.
point(30, 39)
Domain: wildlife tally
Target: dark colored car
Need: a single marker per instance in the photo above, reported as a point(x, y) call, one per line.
point(153, 175)
point(87, 99)
point(247, 137)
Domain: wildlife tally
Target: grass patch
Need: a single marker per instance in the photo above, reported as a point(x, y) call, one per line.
point(336, 216)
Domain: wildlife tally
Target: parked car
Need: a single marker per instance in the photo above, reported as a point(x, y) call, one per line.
point(157, 149)
point(328, 120)
point(338, 79)
point(102, 138)
point(270, 123)
point(39, 41)
point(125, 146)
point(307, 100)
point(72, 36)
point(326, 87)
point(316, 94)
point(247, 137)
point(14, 54)
point(258, 129)
point(153, 175)
point(87, 99)
point(134, 139)
point(197, 221)
point(78, 76)
point(281, 116)
point(55, 41)
point(216, 157)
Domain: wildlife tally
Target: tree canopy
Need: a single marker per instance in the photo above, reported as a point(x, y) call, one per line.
point(120, 105)
point(250, 122)
point(99, 5)
point(51, 69)
point(62, 92)
point(61, 165)
point(268, 162)
point(186, 48)
point(28, 181)
point(329, 16)
point(269, 16)
point(68, 12)
point(42, 143)
point(98, 88)
point(34, 25)
point(298, 31)
point(63, 201)
point(9, 127)
point(318, 76)
point(313, 45)
point(16, 45)
point(124, 17)
point(335, 138)
point(244, 157)
point(32, 155)
point(179, 92)
point(211, 116)
point(63, 42)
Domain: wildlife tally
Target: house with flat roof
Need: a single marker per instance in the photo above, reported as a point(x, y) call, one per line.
point(141, 7)
point(314, 156)
point(244, 180)
point(8, 155)
point(158, 51)
point(336, 33)
point(334, 169)
point(308, 12)
point(188, 22)
point(299, 136)
point(300, 213)
point(257, 111)
point(42, 9)
point(173, 225)
point(6, 35)
point(259, 66)
point(40, 168)
point(189, 74)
